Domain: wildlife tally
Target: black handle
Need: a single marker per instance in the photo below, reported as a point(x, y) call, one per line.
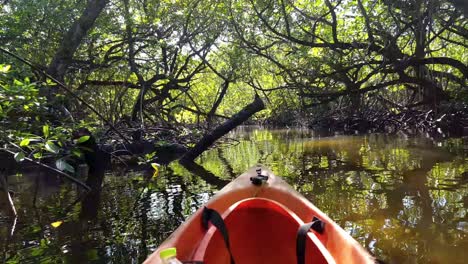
point(318, 226)
point(210, 215)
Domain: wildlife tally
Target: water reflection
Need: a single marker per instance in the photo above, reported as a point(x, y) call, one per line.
point(405, 200)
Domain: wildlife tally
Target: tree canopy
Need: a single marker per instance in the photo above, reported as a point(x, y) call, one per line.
point(377, 65)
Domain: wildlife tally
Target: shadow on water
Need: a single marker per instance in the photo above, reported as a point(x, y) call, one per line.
point(204, 174)
point(404, 199)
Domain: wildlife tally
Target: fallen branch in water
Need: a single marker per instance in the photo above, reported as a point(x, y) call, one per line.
point(237, 119)
point(61, 173)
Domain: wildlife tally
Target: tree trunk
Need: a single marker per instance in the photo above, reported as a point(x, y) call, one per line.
point(73, 38)
point(223, 129)
point(210, 115)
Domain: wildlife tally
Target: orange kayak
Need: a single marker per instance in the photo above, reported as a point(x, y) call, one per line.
point(259, 218)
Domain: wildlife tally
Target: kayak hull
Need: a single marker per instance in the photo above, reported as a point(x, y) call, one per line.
point(251, 228)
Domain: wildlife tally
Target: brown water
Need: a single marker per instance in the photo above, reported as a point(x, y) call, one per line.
point(405, 200)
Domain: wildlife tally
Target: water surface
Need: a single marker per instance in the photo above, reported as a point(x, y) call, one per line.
point(404, 199)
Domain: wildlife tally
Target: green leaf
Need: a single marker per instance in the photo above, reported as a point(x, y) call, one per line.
point(46, 131)
point(25, 142)
point(50, 82)
point(83, 139)
point(51, 147)
point(63, 165)
point(4, 68)
point(38, 251)
point(19, 156)
point(77, 153)
point(17, 82)
point(37, 155)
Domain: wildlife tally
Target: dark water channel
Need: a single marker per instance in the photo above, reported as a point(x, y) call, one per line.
point(404, 199)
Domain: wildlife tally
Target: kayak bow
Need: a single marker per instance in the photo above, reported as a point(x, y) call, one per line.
point(259, 218)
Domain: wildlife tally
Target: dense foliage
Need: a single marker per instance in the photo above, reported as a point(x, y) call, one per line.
point(352, 65)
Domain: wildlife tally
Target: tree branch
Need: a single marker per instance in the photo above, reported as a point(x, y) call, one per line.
point(74, 37)
point(223, 129)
